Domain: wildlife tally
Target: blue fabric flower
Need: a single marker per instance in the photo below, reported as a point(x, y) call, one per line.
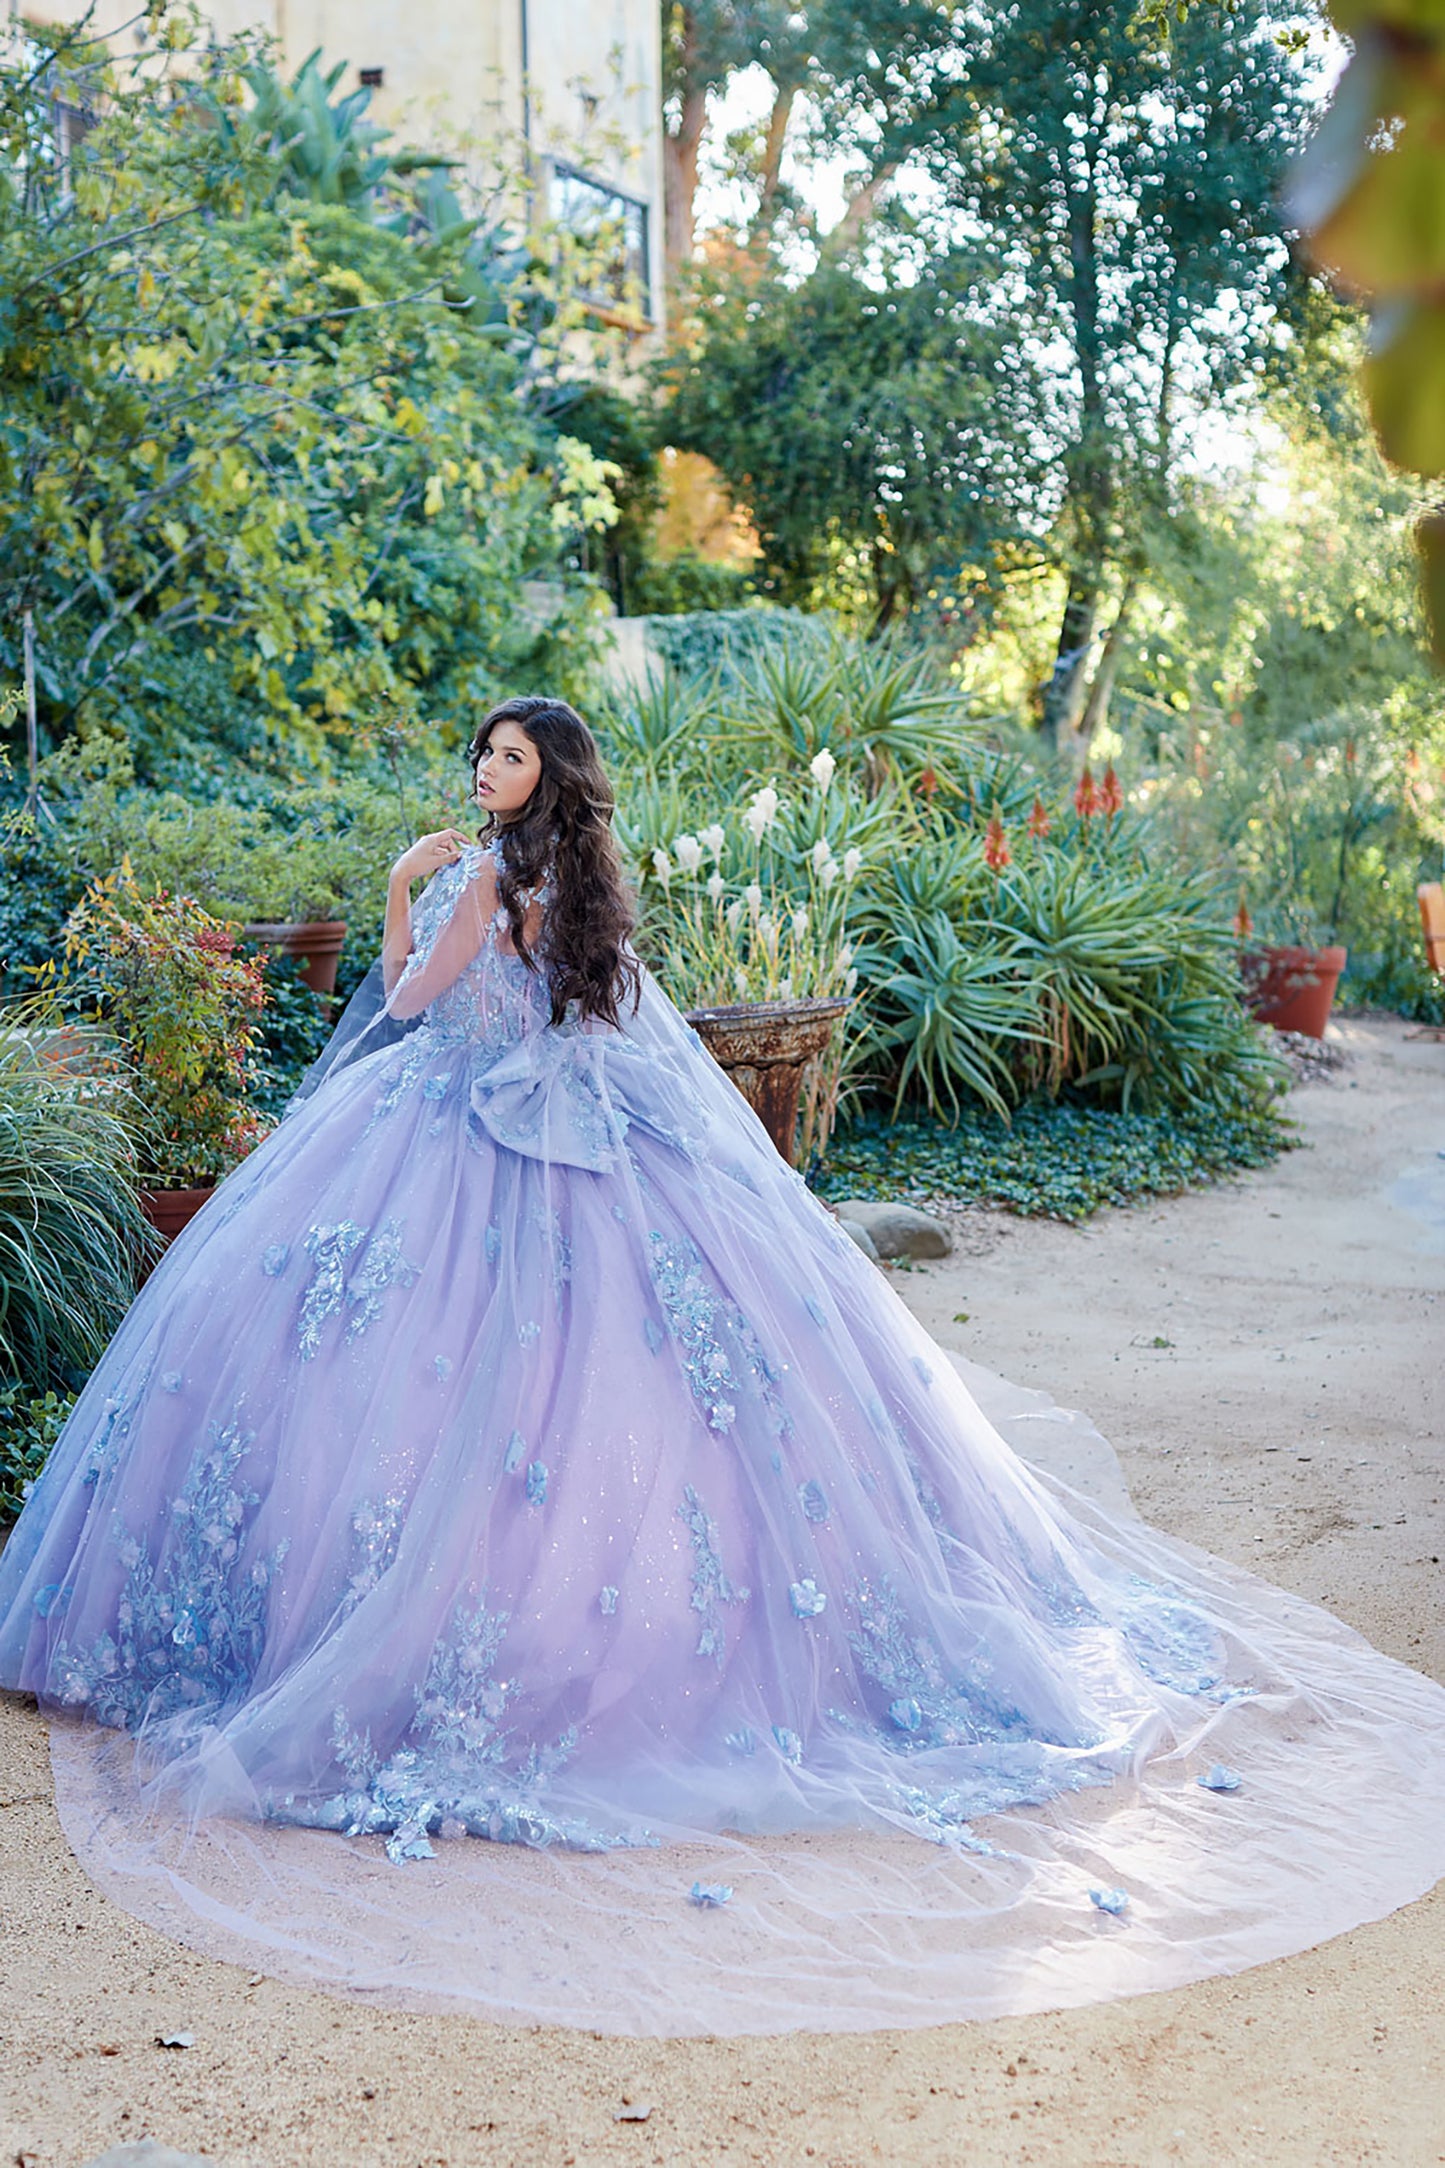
point(1220, 1779)
point(807, 1599)
point(814, 1501)
point(790, 1746)
point(906, 1713)
point(537, 1483)
point(1112, 1901)
point(709, 1896)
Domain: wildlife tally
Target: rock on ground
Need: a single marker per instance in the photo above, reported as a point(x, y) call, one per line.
point(145, 2153)
point(857, 1232)
point(897, 1230)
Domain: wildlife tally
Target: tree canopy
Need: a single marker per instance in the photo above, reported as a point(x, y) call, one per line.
point(248, 433)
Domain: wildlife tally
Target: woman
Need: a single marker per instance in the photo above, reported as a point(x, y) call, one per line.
point(514, 1450)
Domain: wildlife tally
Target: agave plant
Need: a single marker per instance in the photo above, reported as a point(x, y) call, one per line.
point(951, 1015)
point(658, 727)
point(1131, 969)
point(72, 1235)
point(869, 705)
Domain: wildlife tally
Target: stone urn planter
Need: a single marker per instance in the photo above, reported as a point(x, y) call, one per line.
point(314, 942)
point(1293, 988)
point(765, 1047)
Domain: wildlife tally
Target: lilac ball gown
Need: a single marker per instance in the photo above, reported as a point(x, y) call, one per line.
point(514, 1450)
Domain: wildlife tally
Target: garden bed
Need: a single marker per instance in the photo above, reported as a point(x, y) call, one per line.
point(1054, 1161)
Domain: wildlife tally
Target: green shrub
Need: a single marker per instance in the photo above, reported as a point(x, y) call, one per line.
point(697, 642)
point(1006, 943)
point(30, 1423)
point(674, 586)
point(165, 977)
point(292, 1029)
point(72, 1237)
point(1405, 984)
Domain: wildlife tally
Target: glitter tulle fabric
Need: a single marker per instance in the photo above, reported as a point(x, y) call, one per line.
point(518, 1554)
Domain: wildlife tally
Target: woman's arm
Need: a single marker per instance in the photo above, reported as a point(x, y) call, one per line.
point(425, 857)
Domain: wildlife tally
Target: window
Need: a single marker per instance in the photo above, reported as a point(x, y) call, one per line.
point(372, 78)
point(616, 227)
point(72, 124)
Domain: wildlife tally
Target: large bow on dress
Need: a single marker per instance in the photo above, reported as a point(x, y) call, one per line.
point(569, 1097)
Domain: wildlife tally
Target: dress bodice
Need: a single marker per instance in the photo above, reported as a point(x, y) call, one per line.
point(495, 999)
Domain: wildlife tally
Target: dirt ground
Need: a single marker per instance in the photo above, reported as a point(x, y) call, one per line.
point(1266, 1358)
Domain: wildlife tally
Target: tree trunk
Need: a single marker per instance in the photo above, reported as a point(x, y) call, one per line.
point(1067, 685)
point(1101, 691)
point(1090, 499)
point(680, 153)
point(861, 206)
point(778, 119)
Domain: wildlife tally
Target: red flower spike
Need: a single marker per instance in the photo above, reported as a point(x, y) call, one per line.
point(1039, 822)
point(1086, 797)
point(927, 784)
point(996, 853)
point(1111, 795)
point(1243, 923)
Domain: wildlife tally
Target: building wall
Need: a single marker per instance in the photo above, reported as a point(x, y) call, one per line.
point(594, 71)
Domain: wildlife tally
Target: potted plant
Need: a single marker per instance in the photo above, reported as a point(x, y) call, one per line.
point(164, 976)
point(1289, 984)
point(300, 882)
point(286, 882)
point(760, 961)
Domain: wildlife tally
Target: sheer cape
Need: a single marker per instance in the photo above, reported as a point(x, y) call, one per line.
point(518, 1554)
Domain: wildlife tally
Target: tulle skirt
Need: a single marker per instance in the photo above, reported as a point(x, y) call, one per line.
point(584, 1593)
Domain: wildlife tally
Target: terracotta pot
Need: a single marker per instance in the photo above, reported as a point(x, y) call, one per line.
point(1293, 988)
point(315, 941)
point(764, 1047)
point(169, 1210)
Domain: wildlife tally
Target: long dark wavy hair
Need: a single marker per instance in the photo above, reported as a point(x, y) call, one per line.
point(564, 835)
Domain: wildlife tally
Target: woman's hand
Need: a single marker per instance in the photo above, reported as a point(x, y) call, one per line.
point(429, 853)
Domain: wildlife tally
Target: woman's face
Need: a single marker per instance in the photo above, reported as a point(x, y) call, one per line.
point(509, 768)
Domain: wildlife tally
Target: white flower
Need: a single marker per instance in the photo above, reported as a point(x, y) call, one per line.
point(753, 898)
point(740, 981)
point(662, 865)
point(845, 956)
point(734, 914)
point(850, 982)
point(716, 886)
point(712, 839)
point(688, 852)
point(785, 986)
point(828, 873)
point(821, 854)
point(767, 928)
point(852, 861)
point(800, 925)
point(761, 813)
point(821, 768)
